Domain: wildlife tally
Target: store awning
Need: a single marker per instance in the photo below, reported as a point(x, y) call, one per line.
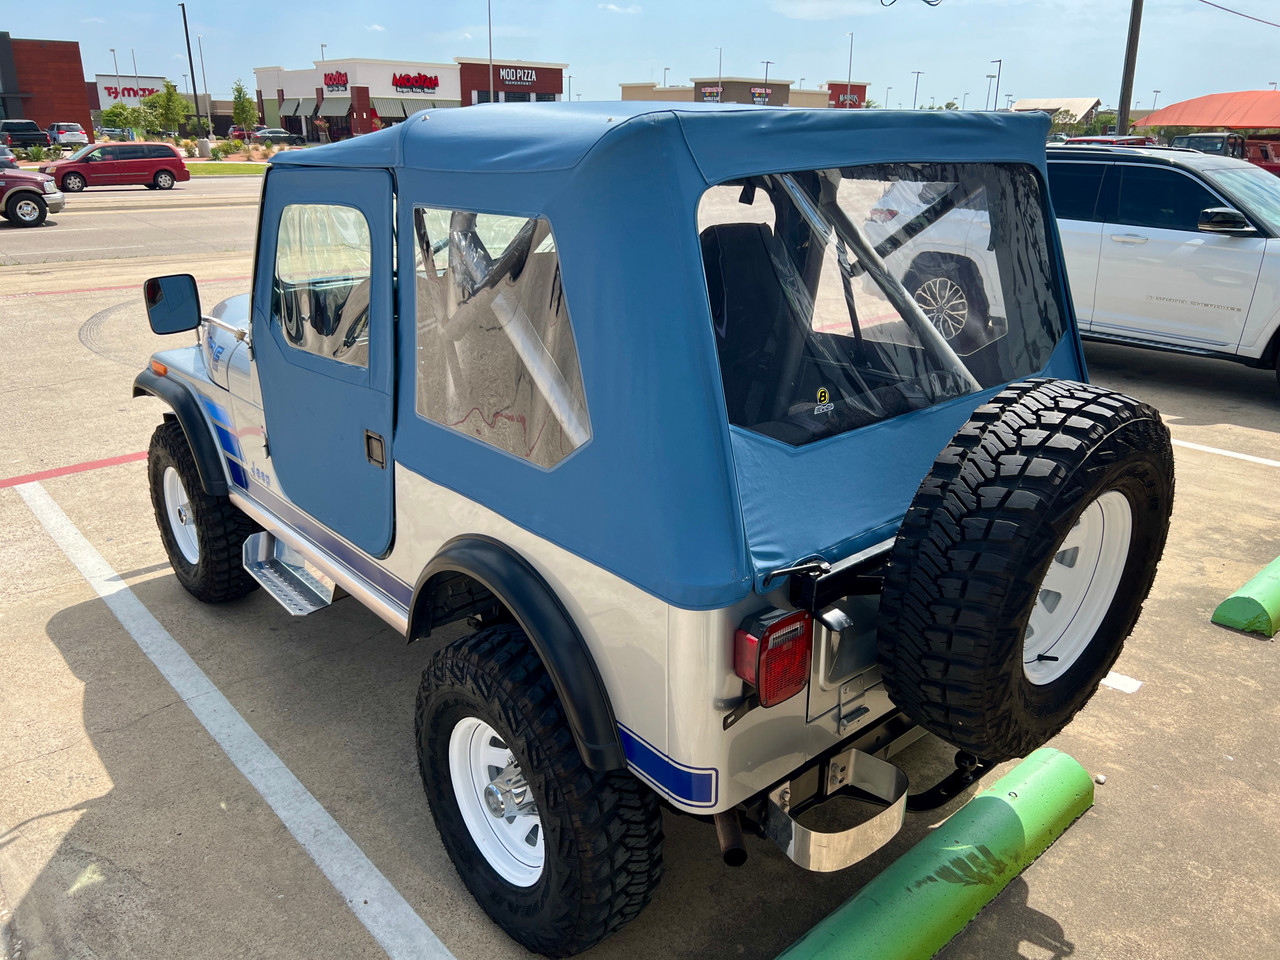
point(335, 107)
point(306, 106)
point(289, 108)
point(1244, 110)
point(388, 107)
point(413, 104)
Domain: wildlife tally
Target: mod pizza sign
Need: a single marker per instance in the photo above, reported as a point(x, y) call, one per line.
point(415, 82)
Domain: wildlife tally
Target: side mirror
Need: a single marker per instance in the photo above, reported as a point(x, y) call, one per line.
point(1225, 220)
point(173, 303)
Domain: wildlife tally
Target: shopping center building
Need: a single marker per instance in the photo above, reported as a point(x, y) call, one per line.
point(42, 80)
point(772, 92)
point(335, 99)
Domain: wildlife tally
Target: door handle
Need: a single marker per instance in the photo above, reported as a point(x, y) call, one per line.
point(1128, 238)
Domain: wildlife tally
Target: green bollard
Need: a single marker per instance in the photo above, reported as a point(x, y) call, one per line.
point(928, 895)
point(1255, 607)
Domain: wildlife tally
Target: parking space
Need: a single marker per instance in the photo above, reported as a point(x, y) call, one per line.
point(127, 830)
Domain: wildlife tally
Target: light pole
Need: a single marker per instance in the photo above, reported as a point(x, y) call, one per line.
point(801, 87)
point(1008, 101)
point(886, 97)
point(191, 64)
point(965, 100)
point(137, 82)
point(184, 84)
point(766, 80)
point(664, 76)
point(999, 66)
point(569, 77)
point(848, 80)
point(204, 82)
point(986, 104)
point(719, 73)
point(1273, 84)
point(931, 103)
point(1155, 94)
point(489, 6)
point(917, 88)
point(322, 46)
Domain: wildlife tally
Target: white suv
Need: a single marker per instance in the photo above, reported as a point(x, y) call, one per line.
point(1171, 249)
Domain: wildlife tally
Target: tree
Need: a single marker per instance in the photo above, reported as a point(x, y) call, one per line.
point(244, 112)
point(1064, 121)
point(871, 104)
point(168, 107)
point(118, 115)
point(951, 105)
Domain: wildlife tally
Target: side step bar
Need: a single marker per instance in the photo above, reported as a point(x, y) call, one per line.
point(296, 583)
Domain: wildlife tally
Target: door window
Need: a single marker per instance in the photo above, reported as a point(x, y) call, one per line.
point(1074, 189)
point(1162, 199)
point(496, 354)
point(321, 291)
point(132, 151)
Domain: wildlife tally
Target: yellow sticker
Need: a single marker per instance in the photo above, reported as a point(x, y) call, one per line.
point(823, 395)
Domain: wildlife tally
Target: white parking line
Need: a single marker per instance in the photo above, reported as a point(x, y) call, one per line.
point(1227, 453)
point(376, 903)
point(1118, 681)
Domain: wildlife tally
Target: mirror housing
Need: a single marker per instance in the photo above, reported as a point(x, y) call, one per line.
point(1226, 220)
point(173, 303)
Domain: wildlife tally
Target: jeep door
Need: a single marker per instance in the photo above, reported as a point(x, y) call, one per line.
point(322, 345)
point(1159, 276)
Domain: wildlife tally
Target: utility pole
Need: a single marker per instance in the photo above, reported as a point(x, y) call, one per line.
point(917, 88)
point(986, 104)
point(999, 66)
point(1130, 65)
point(849, 79)
point(208, 100)
point(191, 64)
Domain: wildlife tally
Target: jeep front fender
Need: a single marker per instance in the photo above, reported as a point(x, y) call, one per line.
point(518, 587)
point(186, 409)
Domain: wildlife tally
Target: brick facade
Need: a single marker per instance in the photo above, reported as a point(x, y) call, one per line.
point(51, 72)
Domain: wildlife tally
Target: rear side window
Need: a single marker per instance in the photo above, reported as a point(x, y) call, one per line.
point(1163, 199)
point(321, 291)
point(496, 353)
point(158, 151)
point(1074, 189)
point(131, 151)
point(845, 297)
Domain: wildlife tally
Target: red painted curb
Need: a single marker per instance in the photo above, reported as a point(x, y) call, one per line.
point(76, 468)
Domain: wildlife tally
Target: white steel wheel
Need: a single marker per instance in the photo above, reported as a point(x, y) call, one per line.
point(1078, 588)
point(945, 304)
point(496, 802)
point(178, 508)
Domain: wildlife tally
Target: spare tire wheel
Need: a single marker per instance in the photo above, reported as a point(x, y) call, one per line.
point(1023, 563)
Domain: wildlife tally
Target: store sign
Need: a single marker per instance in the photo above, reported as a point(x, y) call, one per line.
point(711, 94)
point(414, 83)
point(760, 94)
point(334, 82)
point(517, 76)
point(849, 99)
point(128, 90)
point(129, 93)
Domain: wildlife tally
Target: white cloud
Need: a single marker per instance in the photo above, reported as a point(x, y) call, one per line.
point(93, 20)
point(376, 28)
point(614, 8)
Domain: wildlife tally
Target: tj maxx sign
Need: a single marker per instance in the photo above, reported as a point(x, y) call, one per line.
point(129, 90)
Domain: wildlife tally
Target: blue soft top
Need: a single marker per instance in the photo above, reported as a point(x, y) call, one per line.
point(666, 494)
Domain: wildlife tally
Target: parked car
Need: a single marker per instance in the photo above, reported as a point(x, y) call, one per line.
point(1263, 153)
point(24, 133)
point(7, 159)
point(1110, 139)
point(277, 136)
point(112, 133)
point(1171, 249)
point(1224, 143)
point(153, 165)
point(666, 522)
point(237, 132)
point(27, 197)
point(67, 134)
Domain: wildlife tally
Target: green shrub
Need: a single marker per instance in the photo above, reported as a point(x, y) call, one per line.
point(189, 147)
point(55, 151)
point(266, 145)
point(20, 153)
point(237, 146)
point(36, 152)
point(215, 153)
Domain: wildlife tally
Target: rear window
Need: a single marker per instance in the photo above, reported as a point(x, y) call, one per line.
point(69, 128)
point(845, 297)
point(13, 125)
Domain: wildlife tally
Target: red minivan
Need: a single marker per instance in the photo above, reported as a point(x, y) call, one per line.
point(157, 166)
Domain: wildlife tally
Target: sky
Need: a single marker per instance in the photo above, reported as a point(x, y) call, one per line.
point(1048, 48)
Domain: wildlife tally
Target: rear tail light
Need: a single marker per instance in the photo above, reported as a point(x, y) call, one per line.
point(882, 214)
point(771, 652)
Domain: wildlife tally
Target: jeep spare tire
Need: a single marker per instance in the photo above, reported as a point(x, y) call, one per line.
point(1023, 563)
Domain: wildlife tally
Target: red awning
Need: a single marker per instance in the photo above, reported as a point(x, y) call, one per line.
point(1246, 109)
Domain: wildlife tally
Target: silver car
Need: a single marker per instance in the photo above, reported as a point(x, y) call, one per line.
point(67, 134)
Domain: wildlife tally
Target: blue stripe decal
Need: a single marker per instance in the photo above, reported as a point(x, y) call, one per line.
point(693, 786)
point(357, 560)
point(238, 476)
point(230, 443)
point(218, 414)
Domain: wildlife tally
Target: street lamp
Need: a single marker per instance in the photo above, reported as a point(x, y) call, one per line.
point(1008, 101)
point(965, 100)
point(986, 104)
point(801, 83)
point(848, 81)
point(931, 103)
point(886, 97)
point(1154, 94)
point(1273, 84)
point(766, 79)
point(191, 64)
point(999, 65)
point(204, 82)
point(719, 74)
point(916, 89)
point(569, 77)
point(489, 8)
point(664, 75)
point(322, 46)
point(184, 84)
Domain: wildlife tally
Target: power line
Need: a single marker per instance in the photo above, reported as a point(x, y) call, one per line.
point(1227, 9)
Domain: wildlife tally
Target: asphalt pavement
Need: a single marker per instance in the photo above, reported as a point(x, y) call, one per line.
point(127, 832)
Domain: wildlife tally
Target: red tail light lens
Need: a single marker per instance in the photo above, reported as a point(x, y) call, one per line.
point(772, 652)
point(882, 214)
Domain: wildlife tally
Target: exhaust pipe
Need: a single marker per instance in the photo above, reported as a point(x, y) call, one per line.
point(729, 833)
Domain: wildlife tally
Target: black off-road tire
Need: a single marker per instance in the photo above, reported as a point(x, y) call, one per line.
point(603, 831)
point(221, 528)
point(968, 564)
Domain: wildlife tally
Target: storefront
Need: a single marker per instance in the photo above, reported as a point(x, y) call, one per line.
point(336, 99)
point(774, 93)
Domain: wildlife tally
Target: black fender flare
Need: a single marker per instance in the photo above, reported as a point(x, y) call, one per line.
point(520, 588)
point(186, 409)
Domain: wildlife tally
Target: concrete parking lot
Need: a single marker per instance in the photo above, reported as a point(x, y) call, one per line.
point(127, 831)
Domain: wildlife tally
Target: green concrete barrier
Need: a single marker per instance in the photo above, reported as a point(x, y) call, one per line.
point(1255, 607)
point(928, 895)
